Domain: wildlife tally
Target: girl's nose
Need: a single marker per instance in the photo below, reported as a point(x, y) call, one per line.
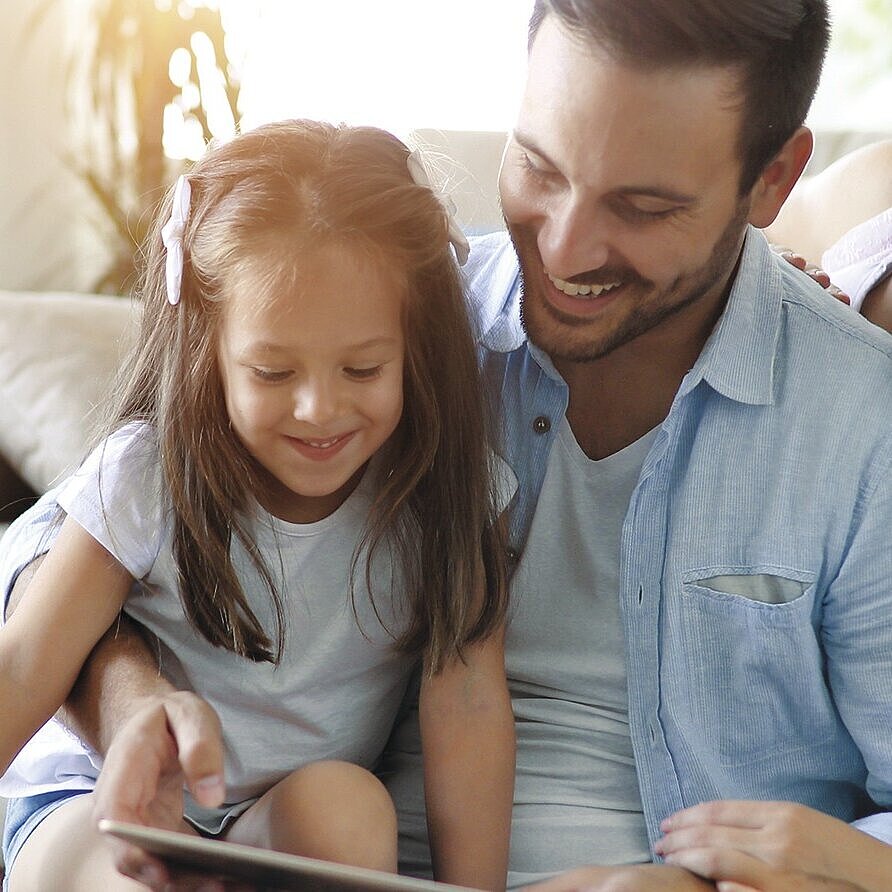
point(315, 402)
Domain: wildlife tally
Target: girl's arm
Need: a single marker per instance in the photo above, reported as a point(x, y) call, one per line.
point(163, 739)
point(467, 734)
point(74, 596)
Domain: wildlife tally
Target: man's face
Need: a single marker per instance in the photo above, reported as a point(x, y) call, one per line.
point(619, 188)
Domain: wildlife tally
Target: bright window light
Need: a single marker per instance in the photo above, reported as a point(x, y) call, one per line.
point(459, 64)
point(399, 64)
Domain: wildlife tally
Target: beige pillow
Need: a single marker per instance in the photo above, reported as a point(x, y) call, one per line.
point(58, 355)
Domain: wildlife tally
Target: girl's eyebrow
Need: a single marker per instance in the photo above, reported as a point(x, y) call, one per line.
point(273, 348)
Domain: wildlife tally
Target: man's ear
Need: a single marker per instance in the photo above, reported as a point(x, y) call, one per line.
point(777, 180)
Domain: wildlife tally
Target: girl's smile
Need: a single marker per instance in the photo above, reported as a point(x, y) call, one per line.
point(321, 450)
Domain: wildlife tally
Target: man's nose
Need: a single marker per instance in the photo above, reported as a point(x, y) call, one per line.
point(574, 238)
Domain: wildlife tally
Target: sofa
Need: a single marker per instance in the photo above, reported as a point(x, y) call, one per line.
point(58, 356)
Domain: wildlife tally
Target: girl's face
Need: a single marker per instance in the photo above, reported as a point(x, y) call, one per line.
point(313, 378)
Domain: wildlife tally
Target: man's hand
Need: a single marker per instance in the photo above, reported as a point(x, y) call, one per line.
point(774, 847)
point(636, 878)
point(170, 742)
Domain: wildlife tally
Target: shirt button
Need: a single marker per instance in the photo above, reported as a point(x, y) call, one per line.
point(542, 425)
point(513, 555)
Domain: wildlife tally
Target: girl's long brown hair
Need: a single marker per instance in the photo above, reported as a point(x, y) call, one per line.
point(257, 203)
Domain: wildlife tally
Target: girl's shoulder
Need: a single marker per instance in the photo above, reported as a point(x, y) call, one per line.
point(127, 455)
point(118, 496)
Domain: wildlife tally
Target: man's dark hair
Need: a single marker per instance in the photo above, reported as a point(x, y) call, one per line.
point(777, 45)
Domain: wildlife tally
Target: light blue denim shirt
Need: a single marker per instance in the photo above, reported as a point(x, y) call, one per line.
point(756, 565)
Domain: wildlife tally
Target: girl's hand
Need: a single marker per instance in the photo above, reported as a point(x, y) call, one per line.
point(774, 846)
point(815, 272)
point(171, 741)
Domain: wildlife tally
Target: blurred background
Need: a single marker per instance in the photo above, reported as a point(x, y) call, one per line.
point(104, 101)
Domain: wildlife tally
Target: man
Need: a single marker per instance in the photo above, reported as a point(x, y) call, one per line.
point(703, 625)
point(702, 441)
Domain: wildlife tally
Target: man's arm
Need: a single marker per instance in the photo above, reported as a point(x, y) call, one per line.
point(120, 672)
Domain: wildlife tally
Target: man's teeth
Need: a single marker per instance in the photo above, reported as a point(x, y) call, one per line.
point(581, 290)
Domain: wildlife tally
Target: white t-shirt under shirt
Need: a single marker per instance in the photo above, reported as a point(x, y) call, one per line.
point(565, 659)
point(339, 684)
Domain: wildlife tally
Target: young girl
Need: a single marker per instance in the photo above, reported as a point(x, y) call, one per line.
point(298, 464)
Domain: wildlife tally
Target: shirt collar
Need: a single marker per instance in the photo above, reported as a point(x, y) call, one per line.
point(494, 285)
point(738, 357)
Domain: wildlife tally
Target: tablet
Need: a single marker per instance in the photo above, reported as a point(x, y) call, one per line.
point(261, 867)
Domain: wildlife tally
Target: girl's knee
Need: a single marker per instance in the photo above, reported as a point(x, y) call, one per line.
point(345, 782)
point(338, 812)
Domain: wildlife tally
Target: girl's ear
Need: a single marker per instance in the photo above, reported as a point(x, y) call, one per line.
point(777, 180)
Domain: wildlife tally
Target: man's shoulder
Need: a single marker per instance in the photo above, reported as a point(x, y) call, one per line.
point(491, 278)
point(836, 361)
point(813, 314)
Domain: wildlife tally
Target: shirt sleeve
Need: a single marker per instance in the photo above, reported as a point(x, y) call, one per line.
point(858, 640)
point(117, 497)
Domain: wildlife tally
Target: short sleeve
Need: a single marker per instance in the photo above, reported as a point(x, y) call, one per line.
point(117, 496)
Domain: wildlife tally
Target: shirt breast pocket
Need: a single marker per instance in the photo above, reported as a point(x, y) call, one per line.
point(752, 662)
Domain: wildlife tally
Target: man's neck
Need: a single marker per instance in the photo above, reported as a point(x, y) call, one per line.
point(618, 398)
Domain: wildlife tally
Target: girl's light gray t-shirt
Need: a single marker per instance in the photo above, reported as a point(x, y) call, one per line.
point(339, 684)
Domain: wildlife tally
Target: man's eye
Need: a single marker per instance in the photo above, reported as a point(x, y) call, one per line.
point(271, 376)
point(365, 374)
point(643, 215)
point(531, 166)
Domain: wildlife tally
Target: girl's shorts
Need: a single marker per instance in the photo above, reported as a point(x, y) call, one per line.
point(23, 816)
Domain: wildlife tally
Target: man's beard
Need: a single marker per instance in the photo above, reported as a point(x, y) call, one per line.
point(580, 339)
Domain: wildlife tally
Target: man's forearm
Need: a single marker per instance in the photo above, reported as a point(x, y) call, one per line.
point(120, 673)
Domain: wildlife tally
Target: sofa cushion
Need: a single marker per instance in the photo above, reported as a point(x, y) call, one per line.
point(58, 356)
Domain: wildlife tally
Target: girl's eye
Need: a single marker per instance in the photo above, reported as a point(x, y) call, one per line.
point(366, 374)
point(270, 375)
